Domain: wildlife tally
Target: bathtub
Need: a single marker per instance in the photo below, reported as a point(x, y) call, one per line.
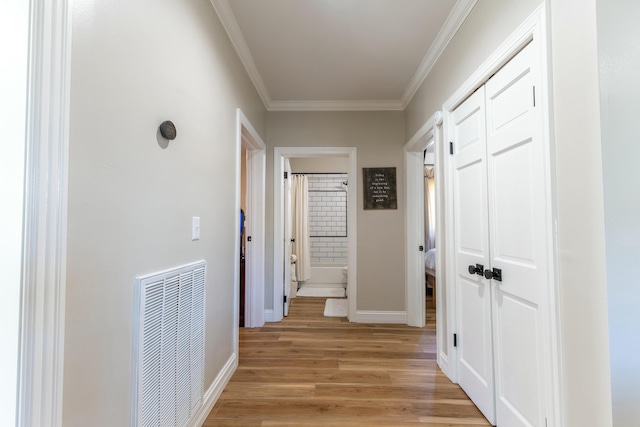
point(327, 274)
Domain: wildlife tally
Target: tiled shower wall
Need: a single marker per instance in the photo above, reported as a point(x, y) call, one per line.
point(328, 218)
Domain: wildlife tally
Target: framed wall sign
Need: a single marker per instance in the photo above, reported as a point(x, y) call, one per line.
point(380, 190)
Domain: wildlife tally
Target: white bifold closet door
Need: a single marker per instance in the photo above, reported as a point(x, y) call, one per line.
point(501, 249)
point(474, 332)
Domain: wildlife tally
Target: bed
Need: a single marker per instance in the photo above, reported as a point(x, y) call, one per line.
point(430, 273)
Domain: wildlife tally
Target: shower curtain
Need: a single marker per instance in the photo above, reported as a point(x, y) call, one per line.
point(300, 226)
point(429, 208)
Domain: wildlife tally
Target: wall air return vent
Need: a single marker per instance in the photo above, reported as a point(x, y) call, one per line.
point(168, 347)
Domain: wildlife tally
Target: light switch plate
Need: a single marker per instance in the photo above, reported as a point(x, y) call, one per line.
point(195, 228)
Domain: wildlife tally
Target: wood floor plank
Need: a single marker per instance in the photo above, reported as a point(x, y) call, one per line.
point(408, 365)
point(310, 370)
point(412, 393)
point(312, 376)
point(288, 363)
point(239, 391)
point(330, 410)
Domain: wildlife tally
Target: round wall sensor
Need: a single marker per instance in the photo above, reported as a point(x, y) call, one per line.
point(437, 118)
point(168, 130)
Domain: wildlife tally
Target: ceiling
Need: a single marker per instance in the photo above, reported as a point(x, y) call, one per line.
point(340, 54)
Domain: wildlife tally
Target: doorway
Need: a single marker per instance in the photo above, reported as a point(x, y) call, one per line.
point(319, 233)
point(250, 244)
point(429, 135)
point(281, 277)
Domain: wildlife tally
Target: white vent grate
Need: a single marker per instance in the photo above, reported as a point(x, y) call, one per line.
point(168, 359)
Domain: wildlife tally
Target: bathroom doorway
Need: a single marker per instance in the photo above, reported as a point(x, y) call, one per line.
point(332, 248)
point(319, 265)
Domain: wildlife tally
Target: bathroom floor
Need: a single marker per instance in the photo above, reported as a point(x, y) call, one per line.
point(327, 290)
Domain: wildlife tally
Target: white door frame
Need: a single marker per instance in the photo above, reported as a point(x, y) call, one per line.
point(288, 234)
point(41, 358)
point(414, 224)
point(279, 154)
point(247, 137)
point(533, 27)
point(414, 220)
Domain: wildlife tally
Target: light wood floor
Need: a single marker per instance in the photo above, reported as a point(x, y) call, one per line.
point(310, 370)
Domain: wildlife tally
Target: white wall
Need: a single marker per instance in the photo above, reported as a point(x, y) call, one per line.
point(320, 164)
point(619, 59)
point(580, 219)
point(14, 27)
point(379, 139)
point(134, 65)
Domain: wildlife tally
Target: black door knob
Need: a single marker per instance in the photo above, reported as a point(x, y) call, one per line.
point(477, 269)
point(488, 274)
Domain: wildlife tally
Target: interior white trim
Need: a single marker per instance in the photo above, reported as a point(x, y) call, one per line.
point(534, 27)
point(372, 316)
point(268, 315)
point(414, 262)
point(335, 106)
point(230, 24)
point(444, 345)
point(414, 220)
point(279, 154)
point(449, 29)
point(249, 138)
point(214, 391)
point(45, 231)
point(455, 19)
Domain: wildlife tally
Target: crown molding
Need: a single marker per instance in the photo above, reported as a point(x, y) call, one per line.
point(455, 19)
point(335, 106)
point(230, 24)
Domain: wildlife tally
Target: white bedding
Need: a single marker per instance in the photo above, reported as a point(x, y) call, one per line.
point(430, 259)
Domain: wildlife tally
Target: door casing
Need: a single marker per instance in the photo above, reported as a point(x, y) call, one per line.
point(247, 137)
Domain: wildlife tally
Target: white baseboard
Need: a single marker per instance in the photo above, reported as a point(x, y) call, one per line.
point(268, 315)
point(368, 316)
point(215, 390)
point(443, 363)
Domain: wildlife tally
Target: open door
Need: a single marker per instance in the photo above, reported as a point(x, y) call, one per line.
point(286, 268)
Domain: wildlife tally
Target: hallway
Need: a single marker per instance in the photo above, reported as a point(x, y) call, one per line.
point(311, 370)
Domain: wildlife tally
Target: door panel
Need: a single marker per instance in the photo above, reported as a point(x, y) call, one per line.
point(473, 295)
point(517, 353)
point(471, 220)
point(517, 206)
point(475, 367)
point(512, 204)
